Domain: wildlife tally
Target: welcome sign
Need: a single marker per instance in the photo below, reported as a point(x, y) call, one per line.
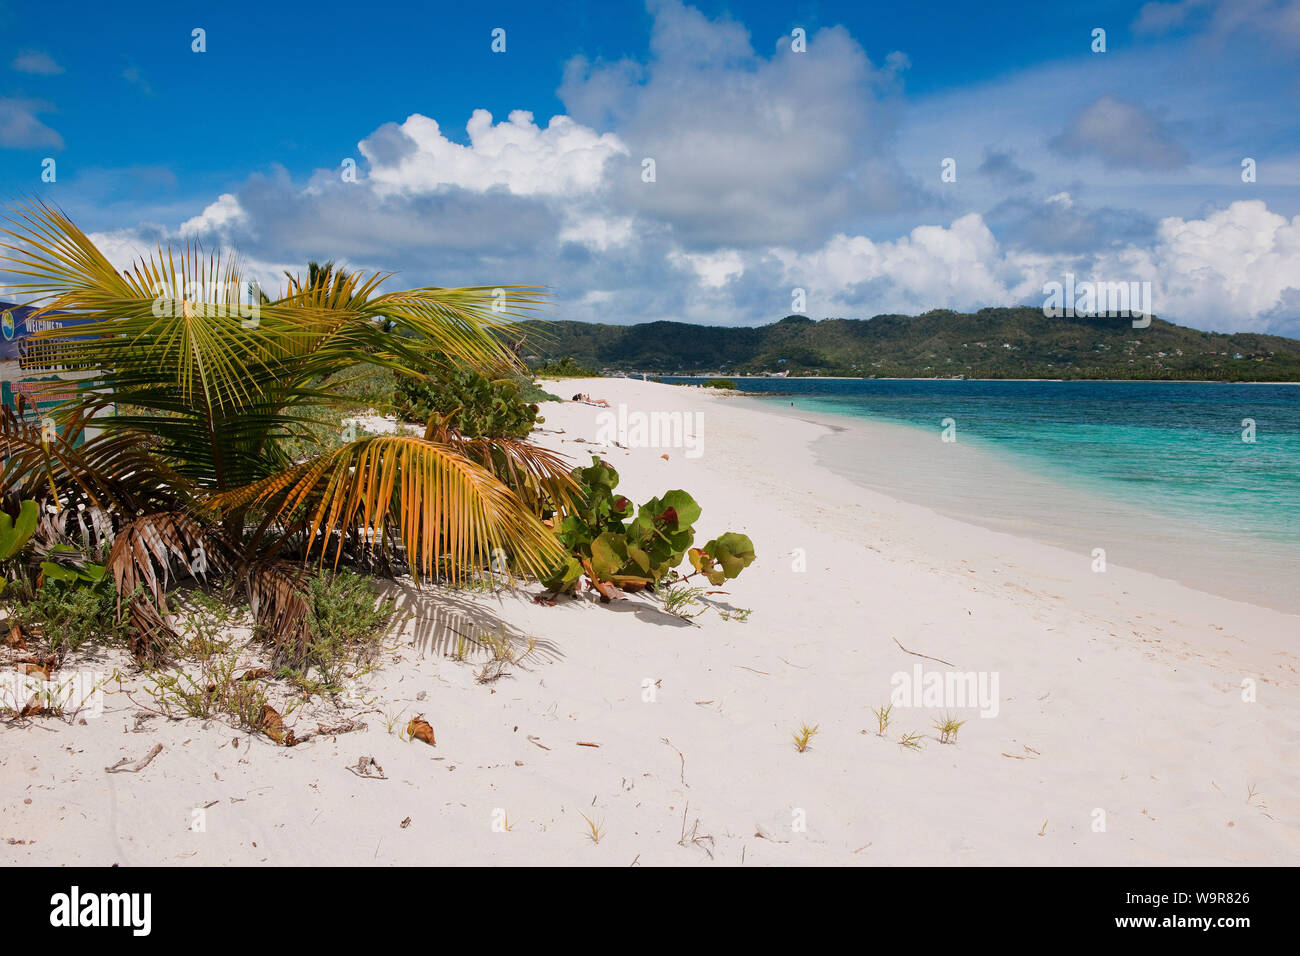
point(32, 369)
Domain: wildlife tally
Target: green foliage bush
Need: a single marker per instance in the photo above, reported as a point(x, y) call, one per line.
point(619, 546)
point(67, 615)
point(479, 407)
point(721, 383)
point(347, 622)
point(566, 367)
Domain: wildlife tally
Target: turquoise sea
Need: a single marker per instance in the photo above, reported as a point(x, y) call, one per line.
point(1160, 468)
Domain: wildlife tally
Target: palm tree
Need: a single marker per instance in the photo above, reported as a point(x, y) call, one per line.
point(212, 387)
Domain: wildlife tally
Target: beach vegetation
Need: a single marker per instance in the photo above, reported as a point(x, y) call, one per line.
point(15, 532)
point(64, 618)
point(620, 548)
point(504, 651)
point(566, 367)
point(804, 737)
point(469, 402)
point(223, 687)
point(205, 625)
point(209, 473)
point(682, 600)
point(347, 623)
point(948, 728)
point(735, 614)
point(882, 718)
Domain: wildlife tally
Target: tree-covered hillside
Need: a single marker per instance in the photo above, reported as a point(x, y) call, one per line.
point(991, 343)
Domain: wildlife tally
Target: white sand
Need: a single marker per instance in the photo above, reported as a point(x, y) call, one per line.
point(1120, 694)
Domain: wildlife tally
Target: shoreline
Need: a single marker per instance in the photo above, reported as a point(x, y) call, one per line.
point(1119, 693)
point(883, 378)
point(1276, 591)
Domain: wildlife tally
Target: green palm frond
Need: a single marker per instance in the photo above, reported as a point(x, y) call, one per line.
point(216, 386)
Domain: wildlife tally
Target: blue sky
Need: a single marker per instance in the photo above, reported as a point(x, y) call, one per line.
point(775, 169)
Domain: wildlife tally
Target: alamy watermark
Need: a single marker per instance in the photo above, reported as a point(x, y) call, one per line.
point(215, 300)
point(637, 429)
point(947, 689)
point(126, 910)
point(82, 692)
point(1089, 299)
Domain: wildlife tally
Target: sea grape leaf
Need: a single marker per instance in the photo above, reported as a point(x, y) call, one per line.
point(734, 552)
point(564, 577)
point(57, 572)
point(15, 534)
point(614, 560)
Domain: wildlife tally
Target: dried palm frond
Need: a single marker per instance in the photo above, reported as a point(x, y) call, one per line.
point(278, 598)
point(149, 550)
point(116, 473)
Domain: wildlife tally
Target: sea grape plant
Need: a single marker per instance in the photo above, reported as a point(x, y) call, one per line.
point(619, 547)
point(16, 533)
point(468, 401)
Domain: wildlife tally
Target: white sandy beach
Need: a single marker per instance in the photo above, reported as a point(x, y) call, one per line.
point(1121, 735)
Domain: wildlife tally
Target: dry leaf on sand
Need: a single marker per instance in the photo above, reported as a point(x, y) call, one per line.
point(419, 729)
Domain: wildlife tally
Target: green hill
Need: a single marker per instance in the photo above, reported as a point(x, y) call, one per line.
point(991, 343)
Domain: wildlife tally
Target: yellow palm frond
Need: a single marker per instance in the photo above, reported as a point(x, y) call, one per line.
point(452, 513)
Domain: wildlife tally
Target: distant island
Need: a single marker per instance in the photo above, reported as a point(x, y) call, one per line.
point(991, 343)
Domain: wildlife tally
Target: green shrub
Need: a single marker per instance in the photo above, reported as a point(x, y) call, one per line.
point(530, 391)
point(566, 367)
point(721, 383)
point(479, 407)
point(617, 548)
point(348, 623)
point(68, 616)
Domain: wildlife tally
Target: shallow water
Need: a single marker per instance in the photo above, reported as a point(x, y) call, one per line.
point(1155, 473)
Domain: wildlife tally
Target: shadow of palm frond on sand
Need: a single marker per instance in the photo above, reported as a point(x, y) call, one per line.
point(435, 619)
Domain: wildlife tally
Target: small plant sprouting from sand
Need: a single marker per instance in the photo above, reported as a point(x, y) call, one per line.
point(474, 585)
point(392, 720)
point(217, 691)
point(802, 738)
point(948, 728)
point(882, 719)
point(51, 698)
point(503, 652)
point(910, 741)
point(680, 601)
point(44, 702)
point(596, 830)
point(739, 614)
